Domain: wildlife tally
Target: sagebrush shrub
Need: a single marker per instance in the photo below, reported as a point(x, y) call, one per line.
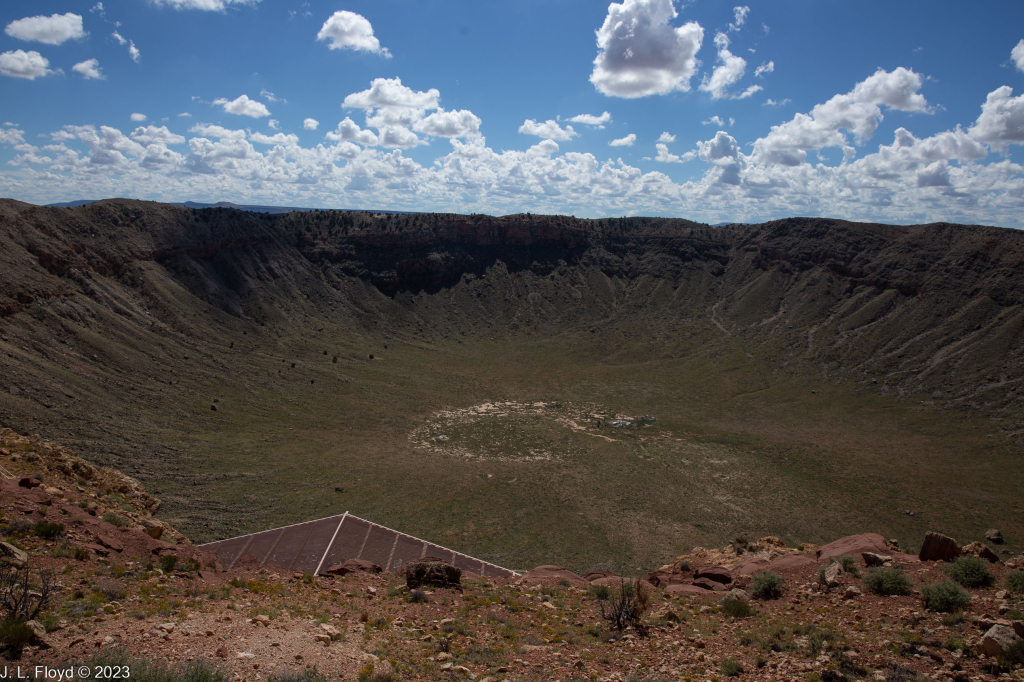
point(970, 571)
point(848, 563)
point(737, 608)
point(1015, 582)
point(888, 581)
point(945, 597)
point(767, 585)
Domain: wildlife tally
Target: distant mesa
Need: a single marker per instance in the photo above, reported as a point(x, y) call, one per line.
point(241, 207)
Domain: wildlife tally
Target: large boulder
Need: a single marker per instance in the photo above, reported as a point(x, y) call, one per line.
point(709, 584)
point(38, 638)
point(875, 559)
point(790, 562)
point(854, 545)
point(832, 574)
point(12, 556)
point(997, 641)
point(751, 566)
point(688, 589)
point(994, 535)
point(981, 550)
point(668, 575)
point(353, 566)
point(717, 574)
point(432, 572)
point(939, 547)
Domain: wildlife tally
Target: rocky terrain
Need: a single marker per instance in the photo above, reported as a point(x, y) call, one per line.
point(808, 378)
point(122, 595)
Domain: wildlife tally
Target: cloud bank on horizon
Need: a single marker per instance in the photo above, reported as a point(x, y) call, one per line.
point(603, 113)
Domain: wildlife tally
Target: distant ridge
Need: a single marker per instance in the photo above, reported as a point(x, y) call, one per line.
point(241, 207)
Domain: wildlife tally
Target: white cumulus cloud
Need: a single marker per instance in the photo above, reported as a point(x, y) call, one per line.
point(52, 30)
point(626, 141)
point(1017, 55)
point(90, 68)
point(461, 123)
point(119, 38)
point(640, 53)
point(349, 131)
point(740, 17)
point(389, 92)
point(275, 139)
point(714, 120)
point(20, 64)
point(350, 31)
point(592, 120)
point(666, 137)
point(219, 132)
point(665, 156)
point(310, 124)
point(243, 106)
point(1002, 120)
point(729, 70)
point(767, 67)
point(133, 52)
point(138, 118)
point(548, 129)
point(858, 112)
point(398, 113)
point(154, 135)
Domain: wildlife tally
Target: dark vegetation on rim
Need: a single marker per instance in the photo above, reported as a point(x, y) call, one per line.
point(797, 353)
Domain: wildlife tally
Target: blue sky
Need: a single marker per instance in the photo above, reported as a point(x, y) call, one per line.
point(714, 111)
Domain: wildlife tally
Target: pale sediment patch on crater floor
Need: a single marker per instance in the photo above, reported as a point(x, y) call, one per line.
point(511, 431)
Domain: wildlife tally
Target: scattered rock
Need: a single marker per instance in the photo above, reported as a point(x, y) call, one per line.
point(29, 482)
point(353, 565)
point(851, 592)
point(994, 535)
point(938, 547)
point(222, 652)
point(261, 620)
point(997, 641)
point(324, 639)
point(434, 572)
